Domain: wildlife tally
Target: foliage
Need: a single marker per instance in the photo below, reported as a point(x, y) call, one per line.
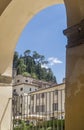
point(15, 59)
point(26, 74)
point(21, 67)
point(31, 65)
point(46, 125)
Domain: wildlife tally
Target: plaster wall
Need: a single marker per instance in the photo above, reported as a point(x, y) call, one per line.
point(75, 88)
point(5, 107)
point(26, 89)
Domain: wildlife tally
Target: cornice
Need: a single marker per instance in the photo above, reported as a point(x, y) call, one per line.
point(75, 34)
point(5, 79)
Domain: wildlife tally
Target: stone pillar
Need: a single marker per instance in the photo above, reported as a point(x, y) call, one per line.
point(75, 78)
point(5, 103)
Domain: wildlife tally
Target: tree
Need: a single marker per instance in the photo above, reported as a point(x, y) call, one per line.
point(50, 76)
point(36, 56)
point(26, 74)
point(21, 68)
point(34, 75)
point(32, 66)
point(39, 59)
point(15, 59)
point(27, 53)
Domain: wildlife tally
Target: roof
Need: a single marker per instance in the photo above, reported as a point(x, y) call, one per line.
point(54, 87)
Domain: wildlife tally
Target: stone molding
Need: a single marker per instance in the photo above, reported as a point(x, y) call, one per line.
point(5, 79)
point(75, 34)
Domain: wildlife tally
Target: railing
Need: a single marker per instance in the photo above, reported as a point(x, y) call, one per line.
point(39, 111)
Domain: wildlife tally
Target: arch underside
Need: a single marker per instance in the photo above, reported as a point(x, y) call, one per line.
point(15, 15)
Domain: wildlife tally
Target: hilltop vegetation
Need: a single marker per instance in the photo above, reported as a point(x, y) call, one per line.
point(31, 65)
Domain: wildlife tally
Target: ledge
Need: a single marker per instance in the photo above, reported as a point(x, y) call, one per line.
point(5, 79)
point(75, 35)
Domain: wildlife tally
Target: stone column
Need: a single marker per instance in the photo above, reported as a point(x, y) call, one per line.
point(5, 103)
point(75, 77)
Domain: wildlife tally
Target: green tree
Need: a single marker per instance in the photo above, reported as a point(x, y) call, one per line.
point(50, 76)
point(39, 58)
point(26, 74)
point(15, 59)
point(28, 65)
point(34, 75)
point(27, 52)
point(36, 57)
point(21, 68)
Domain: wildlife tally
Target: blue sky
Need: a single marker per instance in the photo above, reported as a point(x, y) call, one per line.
point(44, 34)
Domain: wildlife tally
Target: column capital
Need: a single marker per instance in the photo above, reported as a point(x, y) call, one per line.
point(5, 79)
point(75, 34)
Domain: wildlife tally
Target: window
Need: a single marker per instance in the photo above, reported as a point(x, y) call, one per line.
point(14, 90)
point(21, 96)
point(32, 97)
point(37, 96)
point(42, 95)
point(20, 113)
point(37, 108)
point(40, 108)
point(30, 89)
point(32, 109)
point(21, 105)
point(18, 81)
point(26, 80)
point(21, 89)
point(29, 106)
point(55, 106)
point(56, 92)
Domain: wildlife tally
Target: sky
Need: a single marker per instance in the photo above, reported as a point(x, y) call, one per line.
point(44, 34)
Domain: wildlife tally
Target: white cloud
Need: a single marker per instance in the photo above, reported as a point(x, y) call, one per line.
point(53, 61)
point(44, 66)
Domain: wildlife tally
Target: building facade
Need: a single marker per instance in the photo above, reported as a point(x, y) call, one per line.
point(42, 104)
point(24, 85)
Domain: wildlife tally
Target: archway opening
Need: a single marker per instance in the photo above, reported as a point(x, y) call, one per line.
point(44, 34)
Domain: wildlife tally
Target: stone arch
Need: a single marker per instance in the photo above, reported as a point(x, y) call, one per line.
point(12, 22)
point(16, 14)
